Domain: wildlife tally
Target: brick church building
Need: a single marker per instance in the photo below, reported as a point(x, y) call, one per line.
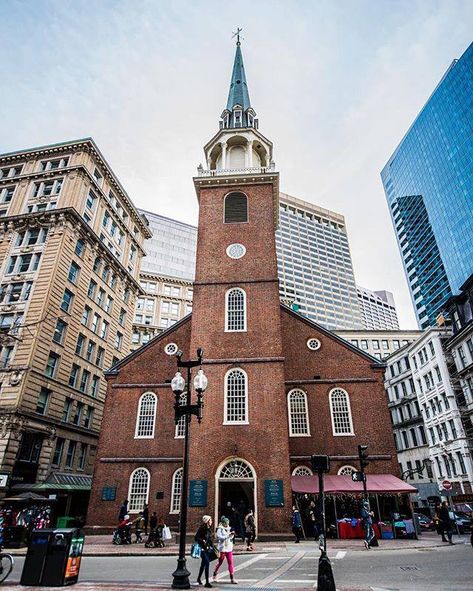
point(280, 387)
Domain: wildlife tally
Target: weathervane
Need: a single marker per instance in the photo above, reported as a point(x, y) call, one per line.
point(237, 35)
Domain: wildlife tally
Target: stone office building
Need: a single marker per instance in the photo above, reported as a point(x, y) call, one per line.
point(281, 387)
point(70, 250)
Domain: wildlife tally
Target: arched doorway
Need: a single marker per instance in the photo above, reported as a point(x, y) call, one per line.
point(235, 484)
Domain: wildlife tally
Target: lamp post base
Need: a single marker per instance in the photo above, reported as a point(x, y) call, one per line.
point(180, 577)
point(325, 580)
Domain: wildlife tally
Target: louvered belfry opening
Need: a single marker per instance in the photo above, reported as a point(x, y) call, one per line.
point(236, 208)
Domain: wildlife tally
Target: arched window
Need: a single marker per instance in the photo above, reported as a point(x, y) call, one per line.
point(138, 490)
point(181, 424)
point(235, 310)
point(298, 415)
point(302, 471)
point(341, 413)
point(346, 471)
point(236, 208)
point(236, 397)
point(146, 416)
point(176, 491)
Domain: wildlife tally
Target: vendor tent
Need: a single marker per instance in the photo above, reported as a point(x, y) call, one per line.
point(375, 483)
point(27, 497)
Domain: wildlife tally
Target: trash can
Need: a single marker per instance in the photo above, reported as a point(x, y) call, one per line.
point(35, 559)
point(53, 557)
point(65, 522)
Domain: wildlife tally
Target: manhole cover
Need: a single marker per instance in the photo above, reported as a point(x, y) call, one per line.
point(409, 568)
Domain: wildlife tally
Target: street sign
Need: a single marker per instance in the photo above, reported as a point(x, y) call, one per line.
point(358, 476)
point(4, 480)
point(446, 484)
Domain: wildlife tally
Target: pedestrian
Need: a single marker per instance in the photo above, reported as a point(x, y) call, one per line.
point(139, 526)
point(312, 512)
point(241, 509)
point(123, 510)
point(225, 537)
point(296, 523)
point(152, 538)
point(204, 538)
point(146, 517)
point(445, 522)
point(367, 520)
point(250, 530)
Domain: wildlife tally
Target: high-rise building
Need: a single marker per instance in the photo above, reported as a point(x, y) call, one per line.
point(428, 185)
point(378, 309)
point(314, 264)
point(70, 252)
point(379, 343)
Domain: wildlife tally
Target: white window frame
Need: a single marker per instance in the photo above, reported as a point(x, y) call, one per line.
point(180, 425)
point(302, 468)
point(139, 412)
point(341, 471)
point(290, 412)
point(227, 296)
point(131, 508)
point(226, 421)
point(177, 476)
point(351, 433)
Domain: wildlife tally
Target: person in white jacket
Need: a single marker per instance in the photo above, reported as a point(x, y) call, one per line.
point(225, 537)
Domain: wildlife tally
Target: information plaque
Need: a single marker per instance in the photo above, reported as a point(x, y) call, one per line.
point(274, 493)
point(198, 493)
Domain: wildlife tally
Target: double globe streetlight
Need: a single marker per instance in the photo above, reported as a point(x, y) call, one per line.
point(185, 408)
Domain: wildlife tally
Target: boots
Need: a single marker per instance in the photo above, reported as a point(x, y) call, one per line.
point(232, 580)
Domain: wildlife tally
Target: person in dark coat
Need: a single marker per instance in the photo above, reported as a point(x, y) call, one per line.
point(367, 520)
point(146, 517)
point(204, 538)
point(296, 523)
point(123, 510)
point(445, 522)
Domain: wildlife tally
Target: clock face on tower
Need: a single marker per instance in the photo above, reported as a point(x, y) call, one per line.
point(236, 251)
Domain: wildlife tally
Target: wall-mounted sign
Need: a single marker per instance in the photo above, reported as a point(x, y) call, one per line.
point(198, 493)
point(4, 480)
point(274, 493)
point(159, 495)
point(109, 493)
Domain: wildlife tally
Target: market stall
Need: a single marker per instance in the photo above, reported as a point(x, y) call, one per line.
point(19, 514)
point(388, 495)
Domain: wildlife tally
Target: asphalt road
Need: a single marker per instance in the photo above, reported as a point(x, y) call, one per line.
point(447, 568)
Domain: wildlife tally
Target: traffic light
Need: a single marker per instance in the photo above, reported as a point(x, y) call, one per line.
point(320, 463)
point(363, 455)
point(358, 477)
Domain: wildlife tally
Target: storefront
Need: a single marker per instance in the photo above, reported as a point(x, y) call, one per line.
point(389, 500)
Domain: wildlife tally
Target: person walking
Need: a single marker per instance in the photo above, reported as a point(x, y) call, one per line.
point(139, 526)
point(204, 538)
point(296, 523)
point(146, 517)
point(225, 537)
point(445, 522)
point(123, 510)
point(367, 520)
point(312, 513)
point(250, 530)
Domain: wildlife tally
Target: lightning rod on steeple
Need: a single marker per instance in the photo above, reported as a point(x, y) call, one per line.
point(237, 35)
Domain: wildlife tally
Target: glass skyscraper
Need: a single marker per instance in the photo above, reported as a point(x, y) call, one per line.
point(428, 183)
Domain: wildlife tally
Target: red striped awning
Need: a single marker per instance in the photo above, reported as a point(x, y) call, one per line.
point(375, 483)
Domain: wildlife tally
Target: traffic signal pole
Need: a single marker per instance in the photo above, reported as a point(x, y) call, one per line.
point(364, 461)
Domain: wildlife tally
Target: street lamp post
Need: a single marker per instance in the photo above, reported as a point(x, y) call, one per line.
point(179, 385)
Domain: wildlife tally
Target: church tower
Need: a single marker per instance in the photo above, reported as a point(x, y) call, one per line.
point(239, 449)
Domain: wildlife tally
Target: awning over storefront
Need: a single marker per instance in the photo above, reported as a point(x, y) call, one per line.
point(375, 483)
point(58, 481)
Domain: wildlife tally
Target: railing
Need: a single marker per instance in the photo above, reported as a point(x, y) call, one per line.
point(231, 171)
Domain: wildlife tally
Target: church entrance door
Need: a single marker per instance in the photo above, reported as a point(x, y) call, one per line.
point(235, 486)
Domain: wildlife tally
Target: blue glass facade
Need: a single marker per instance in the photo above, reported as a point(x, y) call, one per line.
point(428, 183)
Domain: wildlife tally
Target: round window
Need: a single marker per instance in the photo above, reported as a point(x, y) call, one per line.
point(170, 349)
point(236, 251)
point(313, 344)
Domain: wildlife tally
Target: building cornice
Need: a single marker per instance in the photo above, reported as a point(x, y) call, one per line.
point(87, 145)
point(165, 279)
point(59, 217)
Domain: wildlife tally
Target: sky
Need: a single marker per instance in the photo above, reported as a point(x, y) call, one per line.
point(335, 85)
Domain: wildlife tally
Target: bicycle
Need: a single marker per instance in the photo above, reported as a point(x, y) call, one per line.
point(6, 561)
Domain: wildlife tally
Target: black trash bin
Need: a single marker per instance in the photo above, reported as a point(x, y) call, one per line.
point(35, 559)
point(59, 564)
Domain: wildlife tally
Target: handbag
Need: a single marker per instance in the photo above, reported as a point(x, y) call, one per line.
point(214, 553)
point(196, 550)
point(167, 533)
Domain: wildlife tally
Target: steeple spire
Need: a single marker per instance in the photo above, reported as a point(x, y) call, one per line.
point(238, 112)
point(238, 93)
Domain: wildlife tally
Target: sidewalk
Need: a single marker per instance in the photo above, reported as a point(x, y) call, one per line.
point(148, 586)
point(101, 545)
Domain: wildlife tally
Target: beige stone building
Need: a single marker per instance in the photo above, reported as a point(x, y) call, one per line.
point(380, 343)
point(71, 244)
